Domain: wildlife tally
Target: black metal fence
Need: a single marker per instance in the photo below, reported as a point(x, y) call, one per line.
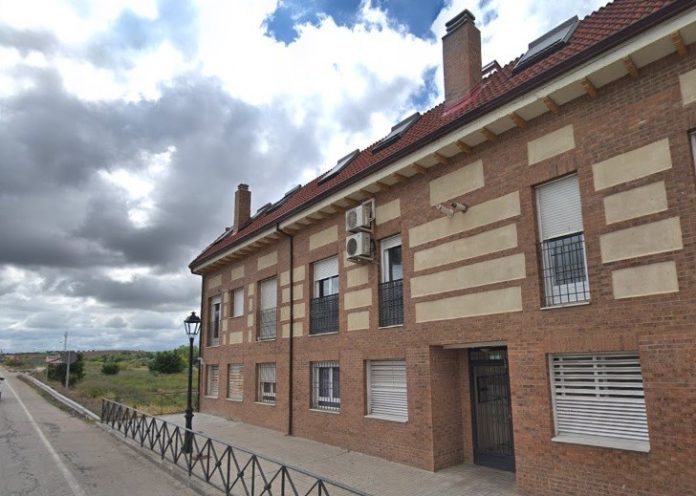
point(323, 314)
point(564, 272)
point(391, 303)
point(230, 469)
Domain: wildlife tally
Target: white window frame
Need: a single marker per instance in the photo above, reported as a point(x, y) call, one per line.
point(385, 245)
point(264, 394)
point(372, 410)
point(561, 294)
point(237, 306)
point(213, 323)
point(240, 382)
point(212, 388)
point(316, 273)
point(598, 400)
point(271, 282)
point(334, 401)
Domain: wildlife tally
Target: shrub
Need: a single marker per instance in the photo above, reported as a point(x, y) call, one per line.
point(167, 362)
point(110, 368)
point(77, 370)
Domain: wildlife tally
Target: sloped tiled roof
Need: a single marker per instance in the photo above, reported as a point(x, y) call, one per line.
point(595, 33)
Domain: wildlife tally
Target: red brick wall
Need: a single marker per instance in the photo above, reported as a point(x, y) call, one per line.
point(625, 115)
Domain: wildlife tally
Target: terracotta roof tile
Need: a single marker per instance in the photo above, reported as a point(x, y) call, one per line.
point(595, 28)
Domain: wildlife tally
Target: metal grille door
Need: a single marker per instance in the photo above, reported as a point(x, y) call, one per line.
point(491, 413)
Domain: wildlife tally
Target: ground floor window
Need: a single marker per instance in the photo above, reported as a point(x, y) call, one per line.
point(387, 391)
point(235, 382)
point(266, 391)
point(599, 399)
point(212, 384)
point(326, 387)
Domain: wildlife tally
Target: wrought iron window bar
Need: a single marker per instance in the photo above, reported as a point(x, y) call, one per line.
point(391, 303)
point(564, 271)
point(323, 314)
point(267, 323)
point(228, 468)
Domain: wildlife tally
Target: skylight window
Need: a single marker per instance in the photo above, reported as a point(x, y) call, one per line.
point(396, 132)
point(544, 46)
point(285, 197)
point(339, 166)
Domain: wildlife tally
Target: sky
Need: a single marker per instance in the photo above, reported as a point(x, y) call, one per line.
point(126, 125)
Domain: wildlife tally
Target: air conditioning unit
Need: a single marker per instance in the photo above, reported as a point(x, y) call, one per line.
point(360, 218)
point(359, 246)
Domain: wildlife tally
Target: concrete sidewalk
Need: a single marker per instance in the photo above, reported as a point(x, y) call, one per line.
point(367, 473)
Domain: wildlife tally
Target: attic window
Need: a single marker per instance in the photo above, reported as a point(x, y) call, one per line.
point(222, 236)
point(490, 68)
point(339, 166)
point(261, 211)
point(544, 46)
point(285, 197)
point(396, 132)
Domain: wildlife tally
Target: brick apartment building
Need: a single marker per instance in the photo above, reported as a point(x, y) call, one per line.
point(506, 280)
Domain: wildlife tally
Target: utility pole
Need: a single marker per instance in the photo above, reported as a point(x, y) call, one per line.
point(67, 366)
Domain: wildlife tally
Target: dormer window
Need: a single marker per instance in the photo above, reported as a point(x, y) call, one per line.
point(397, 131)
point(545, 45)
point(340, 165)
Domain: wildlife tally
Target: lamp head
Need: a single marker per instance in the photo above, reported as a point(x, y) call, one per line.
point(192, 324)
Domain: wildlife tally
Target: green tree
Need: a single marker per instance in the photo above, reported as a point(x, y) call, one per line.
point(110, 368)
point(77, 370)
point(167, 362)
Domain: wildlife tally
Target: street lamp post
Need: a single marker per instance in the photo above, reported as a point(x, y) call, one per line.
point(192, 324)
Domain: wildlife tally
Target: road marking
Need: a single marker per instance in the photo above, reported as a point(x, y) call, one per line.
point(72, 482)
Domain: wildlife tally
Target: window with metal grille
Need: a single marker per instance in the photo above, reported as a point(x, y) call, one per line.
point(266, 381)
point(235, 382)
point(598, 399)
point(391, 289)
point(213, 382)
point(387, 393)
point(268, 298)
point(326, 386)
point(562, 246)
point(324, 306)
point(238, 302)
point(214, 321)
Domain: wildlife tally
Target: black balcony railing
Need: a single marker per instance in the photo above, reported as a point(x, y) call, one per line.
point(564, 274)
point(323, 314)
point(267, 323)
point(391, 303)
point(230, 469)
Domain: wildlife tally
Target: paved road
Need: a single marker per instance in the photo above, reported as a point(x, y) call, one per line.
point(47, 452)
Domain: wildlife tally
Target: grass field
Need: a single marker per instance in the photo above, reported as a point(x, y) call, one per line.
point(135, 385)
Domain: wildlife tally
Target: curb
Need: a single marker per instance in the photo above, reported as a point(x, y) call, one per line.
point(81, 410)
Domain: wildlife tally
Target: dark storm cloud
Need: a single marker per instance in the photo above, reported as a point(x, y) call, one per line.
point(28, 40)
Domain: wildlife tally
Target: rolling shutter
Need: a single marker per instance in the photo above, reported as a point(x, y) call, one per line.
point(238, 302)
point(235, 382)
point(599, 395)
point(388, 396)
point(213, 380)
point(559, 208)
point(324, 269)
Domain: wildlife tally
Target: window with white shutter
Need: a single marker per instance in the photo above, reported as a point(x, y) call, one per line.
point(599, 400)
point(323, 308)
point(235, 382)
point(266, 382)
point(562, 246)
point(213, 382)
point(238, 302)
point(387, 393)
point(268, 298)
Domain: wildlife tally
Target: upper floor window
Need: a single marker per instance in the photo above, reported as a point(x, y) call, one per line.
point(238, 302)
point(562, 247)
point(268, 298)
point(324, 304)
point(391, 288)
point(214, 321)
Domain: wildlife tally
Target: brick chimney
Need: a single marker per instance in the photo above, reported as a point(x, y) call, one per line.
point(461, 54)
point(242, 206)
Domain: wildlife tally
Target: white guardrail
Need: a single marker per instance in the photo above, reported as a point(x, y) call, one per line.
point(63, 399)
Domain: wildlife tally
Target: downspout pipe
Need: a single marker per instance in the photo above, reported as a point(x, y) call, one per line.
point(292, 322)
point(200, 347)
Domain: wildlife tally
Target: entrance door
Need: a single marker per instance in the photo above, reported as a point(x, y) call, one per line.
point(491, 413)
